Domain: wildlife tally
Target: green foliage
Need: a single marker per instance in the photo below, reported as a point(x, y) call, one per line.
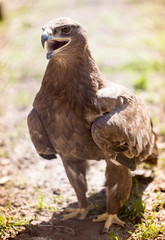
point(58, 200)
point(47, 203)
point(22, 99)
point(133, 209)
point(144, 66)
point(159, 202)
point(97, 204)
point(41, 204)
point(141, 83)
point(3, 153)
point(162, 162)
point(149, 229)
point(162, 130)
point(113, 235)
point(10, 224)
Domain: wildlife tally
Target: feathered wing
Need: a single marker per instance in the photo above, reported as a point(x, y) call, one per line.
point(39, 137)
point(124, 131)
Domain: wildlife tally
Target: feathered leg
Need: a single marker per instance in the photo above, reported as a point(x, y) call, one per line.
point(76, 172)
point(39, 136)
point(119, 184)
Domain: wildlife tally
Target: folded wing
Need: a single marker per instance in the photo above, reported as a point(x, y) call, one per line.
point(39, 137)
point(124, 131)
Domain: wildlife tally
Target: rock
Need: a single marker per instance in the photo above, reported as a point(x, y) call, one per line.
point(4, 180)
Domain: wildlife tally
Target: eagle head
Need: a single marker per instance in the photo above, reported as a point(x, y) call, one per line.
point(63, 35)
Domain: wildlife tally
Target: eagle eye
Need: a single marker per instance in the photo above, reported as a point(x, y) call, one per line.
point(66, 29)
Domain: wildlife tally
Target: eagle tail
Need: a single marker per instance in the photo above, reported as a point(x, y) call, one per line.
point(153, 157)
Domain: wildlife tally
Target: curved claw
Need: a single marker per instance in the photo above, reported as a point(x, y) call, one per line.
point(126, 226)
point(104, 230)
point(84, 213)
point(109, 220)
point(101, 217)
point(92, 217)
point(70, 210)
point(81, 213)
point(59, 218)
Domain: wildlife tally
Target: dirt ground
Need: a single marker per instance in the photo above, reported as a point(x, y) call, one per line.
point(37, 190)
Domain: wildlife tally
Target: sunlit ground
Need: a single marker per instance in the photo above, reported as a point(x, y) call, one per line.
point(127, 39)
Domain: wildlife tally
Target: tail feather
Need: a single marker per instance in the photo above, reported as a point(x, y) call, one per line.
point(153, 157)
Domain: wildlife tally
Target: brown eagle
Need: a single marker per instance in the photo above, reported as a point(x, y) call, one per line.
point(80, 116)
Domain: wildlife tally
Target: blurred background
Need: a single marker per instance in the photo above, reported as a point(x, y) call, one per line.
point(127, 39)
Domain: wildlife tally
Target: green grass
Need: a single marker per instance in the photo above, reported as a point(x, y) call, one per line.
point(133, 209)
point(162, 162)
point(57, 201)
point(137, 65)
point(140, 83)
point(97, 204)
point(22, 57)
point(149, 229)
point(22, 99)
point(4, 153)
point(159, 202)
point(162, 130)
point(10, 219)
point(16, 132)
point(42, 203)
point(9, 224)
point(46, 202)
point(113, 235)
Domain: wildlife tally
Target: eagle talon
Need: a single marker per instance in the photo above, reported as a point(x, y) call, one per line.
point(79, 213)
point(70, 210)
point(109, 220)
point(78, 216)
point(92, 217)
point(88, 109)
point(126, 226)
point(104, 230)
point(59, 218)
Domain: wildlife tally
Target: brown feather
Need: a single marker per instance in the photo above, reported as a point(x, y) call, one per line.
point(85, 117)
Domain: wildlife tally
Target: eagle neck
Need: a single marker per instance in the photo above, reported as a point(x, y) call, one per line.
point(77, 77)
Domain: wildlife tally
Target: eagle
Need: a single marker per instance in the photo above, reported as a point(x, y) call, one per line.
point(81, 116)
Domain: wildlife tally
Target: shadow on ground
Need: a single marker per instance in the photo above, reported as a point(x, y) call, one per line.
point(87, 230)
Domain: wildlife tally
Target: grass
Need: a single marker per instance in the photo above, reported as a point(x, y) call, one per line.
point(10, 225)
point(159, 202)
point(10, 220)
point(113, 235)
point(140, 83)
point(162, 162)
point(149, 229)
point(134, 207)
point(57, 201)
point(4, 153)
point(47, 203)
point(22, 99)
point(41, 203)
point(22, 57)
point(97, 203)
point(162, 130)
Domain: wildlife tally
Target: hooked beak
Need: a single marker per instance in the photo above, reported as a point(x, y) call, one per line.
point(53, 44)
point(45, 37)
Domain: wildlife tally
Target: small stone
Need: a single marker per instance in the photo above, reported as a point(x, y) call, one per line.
point(4, 180)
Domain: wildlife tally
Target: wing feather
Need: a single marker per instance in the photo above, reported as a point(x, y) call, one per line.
point(124, 130)
point(39, 137)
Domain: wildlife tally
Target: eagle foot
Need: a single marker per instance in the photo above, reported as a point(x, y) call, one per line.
point(81, 213)
point(109, 220)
